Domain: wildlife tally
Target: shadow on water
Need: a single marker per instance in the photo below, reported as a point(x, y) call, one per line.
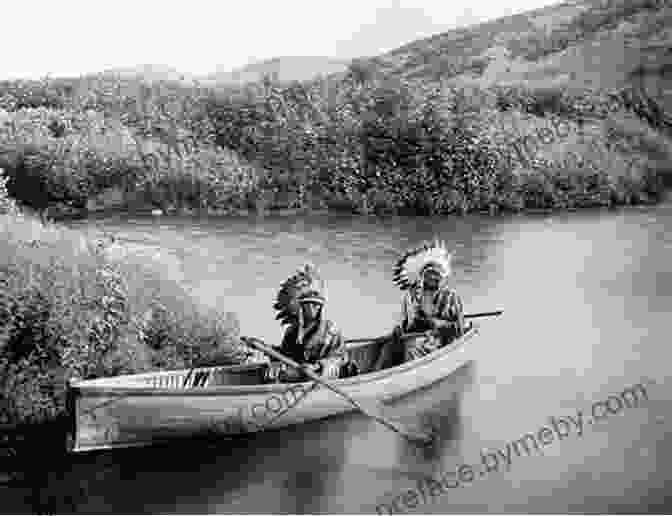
point(176, 478)
point(36, 472)
point(438, 410)
point(273, 471)
point(305, 469)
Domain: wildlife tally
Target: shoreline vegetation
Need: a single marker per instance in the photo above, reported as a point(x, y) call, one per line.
point(365, 144)
point(71, 307)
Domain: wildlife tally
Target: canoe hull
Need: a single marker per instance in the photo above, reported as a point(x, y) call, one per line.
point(132, 411)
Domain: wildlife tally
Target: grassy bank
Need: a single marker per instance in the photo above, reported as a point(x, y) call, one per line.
point(69, 308)
point(365, 144)
point(74, 308)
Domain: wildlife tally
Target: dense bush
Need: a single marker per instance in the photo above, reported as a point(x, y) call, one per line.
point(382, 147)
point(366, 143)
point(378, 147)
point(69, 308)
point(150, 141)
point(563, 188)
point(7, 203)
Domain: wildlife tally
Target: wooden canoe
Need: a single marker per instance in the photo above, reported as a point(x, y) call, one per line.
point(148, 408)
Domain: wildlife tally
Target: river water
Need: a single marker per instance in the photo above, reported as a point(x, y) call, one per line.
point(587, 300)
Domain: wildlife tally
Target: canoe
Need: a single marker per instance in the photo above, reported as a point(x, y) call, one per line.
point(227, 401)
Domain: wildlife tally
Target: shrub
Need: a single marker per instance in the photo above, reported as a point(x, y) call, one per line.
point(7, 204)
point(70, 308)
point(153, 140)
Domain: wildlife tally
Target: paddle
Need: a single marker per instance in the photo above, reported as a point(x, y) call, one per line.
point(418, 334)
point(385, 337)
point(483, 314)
point(371, 408)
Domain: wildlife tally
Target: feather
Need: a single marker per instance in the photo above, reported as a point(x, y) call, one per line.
point(407, 271)
point(305, 282)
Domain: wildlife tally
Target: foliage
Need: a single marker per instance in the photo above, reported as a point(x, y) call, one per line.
point(378, 144)
point(366, 143)
point(7, 203)
point(68, 309)
point(382, 147)
point(150, 140)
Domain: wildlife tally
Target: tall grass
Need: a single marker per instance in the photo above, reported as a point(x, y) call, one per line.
point(153, 146)
point(69, 308)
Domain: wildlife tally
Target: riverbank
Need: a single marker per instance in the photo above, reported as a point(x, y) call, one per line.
point(64, 215)
point(71, 309)
point(444, 152)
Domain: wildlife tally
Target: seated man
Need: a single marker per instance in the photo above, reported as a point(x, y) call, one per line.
point(428, 305)
point(311, 339)
point(434, 307)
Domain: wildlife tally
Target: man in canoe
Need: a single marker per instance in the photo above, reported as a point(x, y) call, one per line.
point(311, 338)
point(428, 305)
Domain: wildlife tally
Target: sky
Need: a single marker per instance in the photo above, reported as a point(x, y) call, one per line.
point(73, 37)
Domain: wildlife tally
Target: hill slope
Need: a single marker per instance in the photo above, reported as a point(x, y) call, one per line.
point(569, 61)
point(150, 73)
point(282, 69)
point(580, 44)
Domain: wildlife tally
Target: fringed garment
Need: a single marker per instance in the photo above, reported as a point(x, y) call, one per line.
point(417, 307)
point(321, 343)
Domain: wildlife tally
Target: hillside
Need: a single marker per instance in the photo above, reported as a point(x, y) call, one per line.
point(603, 66)
point(151, 73)
point(578, 44)
point(282, 69)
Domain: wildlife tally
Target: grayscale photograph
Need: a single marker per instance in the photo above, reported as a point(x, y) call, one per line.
point(379, 257)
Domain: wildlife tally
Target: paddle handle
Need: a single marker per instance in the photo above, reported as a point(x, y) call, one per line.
point(385, 337)
point(483, 314)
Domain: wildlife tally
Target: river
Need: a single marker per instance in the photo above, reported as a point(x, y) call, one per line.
point(587, 300)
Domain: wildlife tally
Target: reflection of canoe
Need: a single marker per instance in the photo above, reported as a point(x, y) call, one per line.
point(142, 409)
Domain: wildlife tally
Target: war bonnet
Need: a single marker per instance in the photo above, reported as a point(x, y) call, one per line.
point(414, 263)
point(306, 285)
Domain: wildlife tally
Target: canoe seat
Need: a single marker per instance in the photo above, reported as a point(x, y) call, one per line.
point(365, 355)
point(197, 379)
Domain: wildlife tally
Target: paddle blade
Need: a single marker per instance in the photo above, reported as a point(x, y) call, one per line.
point(374, 410)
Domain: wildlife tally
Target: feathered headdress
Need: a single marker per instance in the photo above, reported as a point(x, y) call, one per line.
point(305, 285)
point(410, 267)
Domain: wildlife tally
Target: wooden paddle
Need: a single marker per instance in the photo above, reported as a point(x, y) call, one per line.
point(385, 337)
point(371, 408)
point(483, 314)
point(419, 334)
